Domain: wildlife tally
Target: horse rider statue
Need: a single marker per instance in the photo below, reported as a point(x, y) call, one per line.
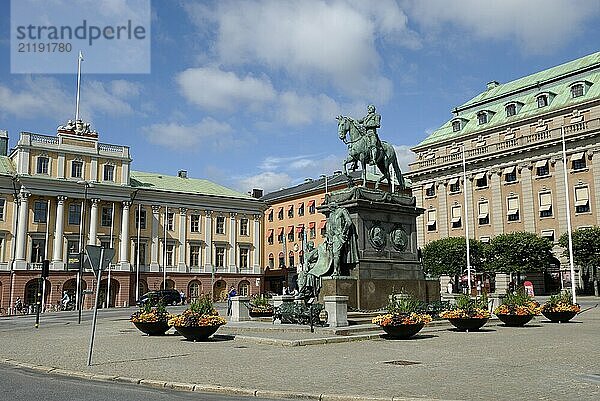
point(371, 122)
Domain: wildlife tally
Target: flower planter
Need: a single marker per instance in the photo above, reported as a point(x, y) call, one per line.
point(196, 333)
point(559, 317)
point(403, 331)
point(514, 320)
point(468, 324)
point(260, 313)
point(152, 328)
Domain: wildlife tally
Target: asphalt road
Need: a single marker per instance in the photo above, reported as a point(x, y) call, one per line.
point(24, 385)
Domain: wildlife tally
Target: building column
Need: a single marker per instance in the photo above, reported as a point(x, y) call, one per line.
point(442, 214)
point(182, 238)
point(154, 265)
point(595, 154)
point(208, 242)
point(256, 243)
point(232, 243)
point(528, 217)
point(59, 232)
point(124, 246)
point(560, 196)
point(93, 222)
point(22, 228)
point(469, 207)
point(496, 211)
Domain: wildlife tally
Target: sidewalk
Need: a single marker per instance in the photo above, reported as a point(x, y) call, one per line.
point(540, 361)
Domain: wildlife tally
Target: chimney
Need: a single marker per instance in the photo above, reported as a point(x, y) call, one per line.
point(257, 193)
point(182, 174)
point(337, 172)
point(306, 180)
point(3, 142)
point(492, 84)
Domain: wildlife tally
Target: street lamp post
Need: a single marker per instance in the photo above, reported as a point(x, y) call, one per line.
point(568, 204)
point(78, 300)
point(464, 166)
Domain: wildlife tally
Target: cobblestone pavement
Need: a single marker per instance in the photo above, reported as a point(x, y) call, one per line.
point(542, 361)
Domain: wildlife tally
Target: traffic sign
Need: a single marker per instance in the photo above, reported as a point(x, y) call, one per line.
point(93, 253)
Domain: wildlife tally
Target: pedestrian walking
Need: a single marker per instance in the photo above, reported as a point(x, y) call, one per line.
point(232, 293)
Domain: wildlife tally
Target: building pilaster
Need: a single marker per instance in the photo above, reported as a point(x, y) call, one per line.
point(57, 249)
point(154, 265)
point(420, 218)
point(256, 244)
point(208, 241)
point(232, 243)
point(561, 203)
point(496, 213)
point(124, 245)
point(529, 217)
point(93, 222)
point(442, 214)
point(22, 229)
point(182, 238)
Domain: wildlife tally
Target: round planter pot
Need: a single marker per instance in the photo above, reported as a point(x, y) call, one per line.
point(152, 329)
point(559, 317)
point(468, 324)
point(403, 331)
point(515, 320)
point(197, 333)
point(260, 313)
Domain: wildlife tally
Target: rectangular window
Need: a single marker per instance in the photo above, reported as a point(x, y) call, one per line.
point(510, 174)
point(582, 200)
point(430, 189)
point(548, 234)
point(244, 227)
point(481, 180)
point(301, 209)
point(40, 210)
point(454, 185)
point(578, 161)
point(243, 258)
point(545, 204)
point(511, 110)
point(170, 221)
point(106, 217)
point(513, 209)
point(195, 255)
point(312, 232)
point(76, 169)
point(270, 237)
point(220, 228)
point(170, 254)
point(484, 213)
point(300, 231)
point(431, 220)
point(280, 214)
point(577, 90)
point(195, 223)
point(74, 214)
point(456, 212)
point(280, 236)
point(38, 246)
point(142, 254)
point(290, 211)
point(290, 234)
point(219, 256)
point(541, 168)
point(270, 218)
point(2, 203)
point(109, 172)
point(42, 165)
point(141, 216)
point(542, 101)
point(311, 207)
point(291, 259)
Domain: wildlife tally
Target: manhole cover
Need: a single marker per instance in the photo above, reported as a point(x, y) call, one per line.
point(402, 363)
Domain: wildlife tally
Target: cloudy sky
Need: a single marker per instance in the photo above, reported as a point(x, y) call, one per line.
point(245, 93)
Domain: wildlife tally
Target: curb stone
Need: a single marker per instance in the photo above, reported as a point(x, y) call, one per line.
point(209, 388)
point(287, 395)
point(124, 379)
point(153, 383)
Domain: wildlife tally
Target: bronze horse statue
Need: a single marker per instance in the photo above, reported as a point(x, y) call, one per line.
point(358, 152)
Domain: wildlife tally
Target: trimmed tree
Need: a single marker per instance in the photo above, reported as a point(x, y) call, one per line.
point(448, 256)
point(586, 252)
point(518, 252)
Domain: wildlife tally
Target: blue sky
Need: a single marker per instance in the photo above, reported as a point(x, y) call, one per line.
point(245, 93)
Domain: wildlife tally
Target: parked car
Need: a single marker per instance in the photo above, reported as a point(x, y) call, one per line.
point(168, 297)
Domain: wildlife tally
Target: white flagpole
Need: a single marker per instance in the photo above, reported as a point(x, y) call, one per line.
point(569, 229)
point(464, 165)
point(165, 221)
point(80, 59)
point(46, 252)
point(112, 227)
point(137, 275)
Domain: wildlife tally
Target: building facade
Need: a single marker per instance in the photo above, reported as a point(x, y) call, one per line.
point(59, 193)
point(511, 137)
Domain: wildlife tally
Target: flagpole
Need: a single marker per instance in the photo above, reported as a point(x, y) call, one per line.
point(137, 273)
point(79, 60)
point(568, 204)
point(112, 227)
point(464, 165)
point(165, 221)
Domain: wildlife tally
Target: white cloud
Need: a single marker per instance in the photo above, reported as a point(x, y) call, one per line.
point(106, 98)
point(404, 156)
point(538, 26)
point(268, 181)
point(296, 109)
point(209, 132)
point(213, 88)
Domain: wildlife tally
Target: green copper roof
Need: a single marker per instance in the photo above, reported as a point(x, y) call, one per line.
point(161, 182)
point(6, 166)
point(524, 91)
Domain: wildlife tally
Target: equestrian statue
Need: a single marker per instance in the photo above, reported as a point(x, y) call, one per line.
point(365, 147)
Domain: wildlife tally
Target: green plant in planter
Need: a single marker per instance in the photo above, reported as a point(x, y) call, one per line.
point(151, 312)
point(467, 307)
point(261, 302)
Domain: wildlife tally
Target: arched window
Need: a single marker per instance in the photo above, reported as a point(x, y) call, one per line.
point(244, 288)
point(281, 259)
point(291, 259)
point(271, 261)
point(194, 290)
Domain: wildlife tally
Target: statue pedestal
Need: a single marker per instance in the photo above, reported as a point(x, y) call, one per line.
point(239, 311)
point(386, 232)
point(337, 310)
point(278, 300)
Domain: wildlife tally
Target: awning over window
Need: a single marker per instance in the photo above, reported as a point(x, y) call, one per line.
point(291, 208)
point(483, 210)
point(312, 224)
point(300, 228)
point(301, 204)
point(453, 181)
point(270, 233)
point(577, 156)
point(280, 231)
point(581, 196)
point(545, 201)
point(431, 217)
point(290, 229)
point(311, 203)
point(281, 209)
point(508, 170)
point(513, 206)
point(541, 163)
point(322, 224)
point(429, 186)
point(456, 212)
point(479, 176)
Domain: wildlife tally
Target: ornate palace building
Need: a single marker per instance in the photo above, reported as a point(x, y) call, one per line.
point(511, 136)
point(58, 193)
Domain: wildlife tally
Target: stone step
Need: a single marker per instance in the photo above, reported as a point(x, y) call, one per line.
point(357, 329)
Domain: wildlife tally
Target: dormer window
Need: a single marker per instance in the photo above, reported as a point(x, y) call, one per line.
point(482, 118)
point(542, 101)
point(577, 90)
point(456, 126)
point(511, 110)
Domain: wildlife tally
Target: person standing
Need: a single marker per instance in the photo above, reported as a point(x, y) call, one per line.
point(232, 293)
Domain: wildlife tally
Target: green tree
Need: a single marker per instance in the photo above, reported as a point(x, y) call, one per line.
point(448, 256)
point(517, 253)
point(586, 252)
